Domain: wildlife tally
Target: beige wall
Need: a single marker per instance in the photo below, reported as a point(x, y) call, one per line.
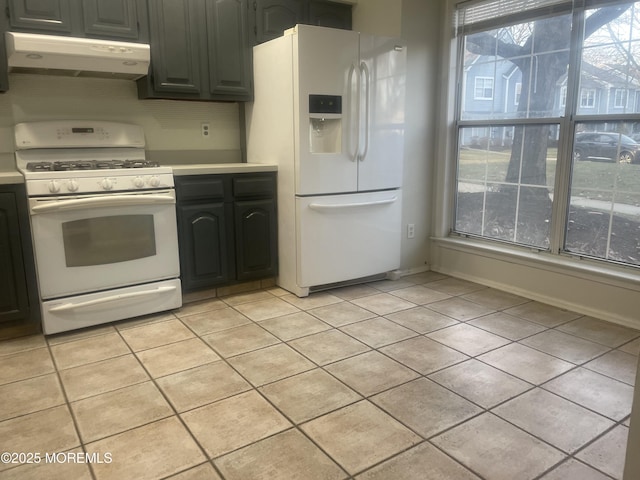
point(171, 128)
point(417, 22)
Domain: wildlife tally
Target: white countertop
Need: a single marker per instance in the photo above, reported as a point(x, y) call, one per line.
point(10, 177)
point(209, 168)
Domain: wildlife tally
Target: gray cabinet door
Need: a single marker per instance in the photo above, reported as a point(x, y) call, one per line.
point(203, 248)
point(256, 238)
point(114, 18)
point(175, 33)
point(54, 16)
point(4, 74)
point(228, 48)
point(275, 16)
point(14, 302)
point(117, 19)
point(334, 15)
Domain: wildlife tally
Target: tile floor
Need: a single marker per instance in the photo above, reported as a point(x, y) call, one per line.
point(427, 377)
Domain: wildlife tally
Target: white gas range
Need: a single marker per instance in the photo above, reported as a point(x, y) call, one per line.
point(103, 222)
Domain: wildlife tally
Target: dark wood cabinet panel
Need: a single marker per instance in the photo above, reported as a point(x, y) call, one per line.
point(227, 228)
point(4, 26)
point(203, 245)
point(200, 50)
point(19, 305)
point(14, 302)
point(53, 16)
point(113, 18)
point(275, 16)
point(228, 48)
point(256, 238)
point(334, 15)
point(175, 47)
point(109, 19)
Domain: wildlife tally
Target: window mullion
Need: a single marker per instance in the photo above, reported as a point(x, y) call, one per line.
point(562, 185)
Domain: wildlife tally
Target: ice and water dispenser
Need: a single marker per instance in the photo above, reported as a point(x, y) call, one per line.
point(325, 123)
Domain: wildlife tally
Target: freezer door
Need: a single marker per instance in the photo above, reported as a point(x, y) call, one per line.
point(383, 83)
point(325, 63)
point(345, 237)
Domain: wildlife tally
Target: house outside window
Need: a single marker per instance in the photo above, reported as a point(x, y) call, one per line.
point(548, 184)
point(483, 88)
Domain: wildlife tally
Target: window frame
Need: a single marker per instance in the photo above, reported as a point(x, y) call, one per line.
point(566, 123)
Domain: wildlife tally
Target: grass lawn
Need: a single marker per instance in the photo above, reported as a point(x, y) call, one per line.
point(590, 179)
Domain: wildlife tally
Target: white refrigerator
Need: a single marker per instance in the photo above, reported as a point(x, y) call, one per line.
point(329, 109)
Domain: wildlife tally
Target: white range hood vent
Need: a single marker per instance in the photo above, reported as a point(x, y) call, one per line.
point(57, 55)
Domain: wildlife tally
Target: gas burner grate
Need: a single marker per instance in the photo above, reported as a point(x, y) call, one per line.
point(74, 165)
point(40, 166)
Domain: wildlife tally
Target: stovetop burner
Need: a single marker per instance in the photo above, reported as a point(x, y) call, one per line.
point(70, 165)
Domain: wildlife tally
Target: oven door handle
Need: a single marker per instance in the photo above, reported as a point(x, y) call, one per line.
point(66, 307)
point(105, 201)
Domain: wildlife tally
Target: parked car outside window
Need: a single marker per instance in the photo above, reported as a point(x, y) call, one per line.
point(609, 146)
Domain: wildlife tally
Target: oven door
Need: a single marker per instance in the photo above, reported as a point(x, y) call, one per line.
point(97, 242)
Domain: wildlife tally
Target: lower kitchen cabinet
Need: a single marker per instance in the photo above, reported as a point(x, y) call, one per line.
point(227, 228)
point(255, 219)
point(19, 306)
point(204, 248)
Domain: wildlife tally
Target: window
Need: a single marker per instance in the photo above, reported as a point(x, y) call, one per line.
point(508, 157)
point(620, 98)
point(587, 98)
point(483, 89)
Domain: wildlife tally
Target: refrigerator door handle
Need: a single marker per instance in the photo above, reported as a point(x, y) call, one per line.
point(367, 81)
point(355, 129)
point(328, 206)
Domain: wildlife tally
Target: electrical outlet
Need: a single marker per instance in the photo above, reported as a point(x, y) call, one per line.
point(205, 130)
point(411, 230)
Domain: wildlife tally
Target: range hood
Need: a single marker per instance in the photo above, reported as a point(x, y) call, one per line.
point(57, 55)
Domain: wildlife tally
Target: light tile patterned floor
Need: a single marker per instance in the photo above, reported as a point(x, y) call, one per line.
point(425, 377)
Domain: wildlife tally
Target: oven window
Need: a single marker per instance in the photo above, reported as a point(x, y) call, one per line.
point(104, 240)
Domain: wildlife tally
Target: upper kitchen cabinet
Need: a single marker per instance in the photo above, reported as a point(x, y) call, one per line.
point(4, 73)
point(124, 20)
point(199, 50)
point(273, 17)
point(330, 14)
point(42, 16)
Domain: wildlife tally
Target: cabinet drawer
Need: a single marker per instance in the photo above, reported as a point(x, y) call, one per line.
point(254, 186)
point(199, 187)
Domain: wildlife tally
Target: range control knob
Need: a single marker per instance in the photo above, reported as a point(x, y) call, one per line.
point(106, 183)
point(54, 186)
point(154, 181)
point(72, 185)
point(138, 182)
